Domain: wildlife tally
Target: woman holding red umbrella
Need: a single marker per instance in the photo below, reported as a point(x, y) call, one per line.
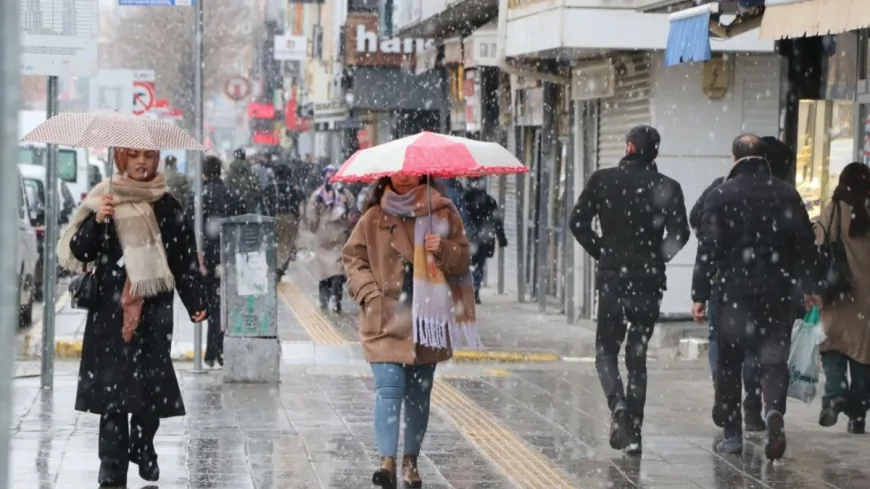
point(414, 309)
point(408, 266)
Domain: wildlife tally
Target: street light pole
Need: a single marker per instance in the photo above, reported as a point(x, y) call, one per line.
point(10, 190)
point(198, 160)
point(49, 254)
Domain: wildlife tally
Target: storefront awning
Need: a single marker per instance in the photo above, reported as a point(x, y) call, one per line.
point(797, 18)
point(689, 36)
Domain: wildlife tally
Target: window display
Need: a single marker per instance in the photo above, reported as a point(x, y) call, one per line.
point(826, 144)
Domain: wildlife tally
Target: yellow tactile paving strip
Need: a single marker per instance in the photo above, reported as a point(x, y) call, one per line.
point(316, 325)
point(525, 467)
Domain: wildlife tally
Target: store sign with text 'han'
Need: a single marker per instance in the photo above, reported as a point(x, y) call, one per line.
point(364, 47)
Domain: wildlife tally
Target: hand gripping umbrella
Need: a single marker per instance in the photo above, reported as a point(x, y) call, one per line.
point(432, 154)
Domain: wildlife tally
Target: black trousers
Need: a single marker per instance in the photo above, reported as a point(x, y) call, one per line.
point(214, 341)
point(123, 440)
point(627, 311)
point(331, 287)
point(760, 325)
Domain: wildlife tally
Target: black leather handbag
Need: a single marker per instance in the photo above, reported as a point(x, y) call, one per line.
point(83, 290)
point(837, 280)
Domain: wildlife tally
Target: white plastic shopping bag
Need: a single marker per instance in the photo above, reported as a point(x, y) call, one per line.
point(804, 358)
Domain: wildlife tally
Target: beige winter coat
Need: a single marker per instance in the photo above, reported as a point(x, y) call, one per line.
point(331, 228)
point(374, 257)
point(847, 323)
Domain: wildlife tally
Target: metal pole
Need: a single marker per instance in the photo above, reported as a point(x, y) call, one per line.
point(197, 184)
point(546, 160)
point(10, 190)
point(49, 261)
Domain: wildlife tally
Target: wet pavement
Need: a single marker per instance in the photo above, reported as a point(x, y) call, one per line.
point(494, 426)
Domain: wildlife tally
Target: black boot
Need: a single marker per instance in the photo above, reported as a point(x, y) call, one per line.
point(620, 427)
point(831, 411)
point(477, 296)
point(142, 453)
point(857, 426)
point(774, 446)
point(112, 475)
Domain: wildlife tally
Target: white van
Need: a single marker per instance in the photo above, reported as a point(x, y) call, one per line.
point(27, 259)
point(73, 166)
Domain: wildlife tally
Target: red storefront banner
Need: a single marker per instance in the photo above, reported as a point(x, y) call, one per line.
point(257, 110)
point(266, 138)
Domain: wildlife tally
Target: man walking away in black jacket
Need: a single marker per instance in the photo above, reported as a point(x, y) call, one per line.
point(756, 242)
point(635, 205)
point(218, 202)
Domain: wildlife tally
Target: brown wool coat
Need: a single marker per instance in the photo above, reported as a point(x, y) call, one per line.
point(847, 323)
point(373, 261)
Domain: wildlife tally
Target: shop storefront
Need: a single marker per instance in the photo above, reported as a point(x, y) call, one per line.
point(833, 128)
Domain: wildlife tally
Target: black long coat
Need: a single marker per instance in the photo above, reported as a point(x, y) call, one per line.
point(135, 377)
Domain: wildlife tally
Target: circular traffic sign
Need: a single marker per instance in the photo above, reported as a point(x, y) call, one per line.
point(143, 97)
point(237, 88)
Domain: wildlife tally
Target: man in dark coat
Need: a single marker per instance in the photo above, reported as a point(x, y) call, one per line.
point(217, 203)
point(483, 228)
point(755, 240)
point(179, 185)
point(780, 158)
point(636, 206)
point(243, 184)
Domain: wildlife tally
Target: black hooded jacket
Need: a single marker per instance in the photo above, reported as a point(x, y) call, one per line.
point(642, 214)
point(754, 237)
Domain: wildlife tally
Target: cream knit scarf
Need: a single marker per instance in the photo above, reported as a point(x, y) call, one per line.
point(144, 255)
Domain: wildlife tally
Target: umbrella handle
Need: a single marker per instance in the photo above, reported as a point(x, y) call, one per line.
point(430, 259)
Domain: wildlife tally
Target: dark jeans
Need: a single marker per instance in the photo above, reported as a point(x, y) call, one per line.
point(626, 312)
point(214, 341)
point(122, 441)
point(478, 267)
point(751, 366)
point(760, 325)
point(854, 390)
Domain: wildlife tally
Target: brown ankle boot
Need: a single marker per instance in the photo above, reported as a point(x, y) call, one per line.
point(409, 472)
point(385, 477)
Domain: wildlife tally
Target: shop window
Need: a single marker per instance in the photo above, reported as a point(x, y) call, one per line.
point(826, 144)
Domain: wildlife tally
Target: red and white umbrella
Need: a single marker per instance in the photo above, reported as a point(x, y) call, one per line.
point(432, 154)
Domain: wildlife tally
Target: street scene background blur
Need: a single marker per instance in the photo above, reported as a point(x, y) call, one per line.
point(558, 83)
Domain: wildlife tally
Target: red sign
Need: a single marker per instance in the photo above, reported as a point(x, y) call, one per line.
point(257, 110)
point(237, 88)
point(363, 139)
point(266, 138)
point(161, 103)
point(291, 120)
point(143, 97)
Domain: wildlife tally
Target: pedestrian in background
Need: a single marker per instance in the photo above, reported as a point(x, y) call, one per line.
point(755, 241)
point(243, 184)
point(328, 217)
point(179, 185)
point(218, 203)
point(289, 198)
point(409, 322)
point(142, 247)
point(846, 320)
point(483, 227)
point(643, 226)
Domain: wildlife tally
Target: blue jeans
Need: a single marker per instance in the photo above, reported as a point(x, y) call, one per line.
point(395, 383)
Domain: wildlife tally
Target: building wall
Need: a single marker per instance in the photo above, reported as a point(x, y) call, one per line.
point(697, 133)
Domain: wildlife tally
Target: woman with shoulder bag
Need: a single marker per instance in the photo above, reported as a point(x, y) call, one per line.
point(142, 250)
point(408, 266)
point(846, 313)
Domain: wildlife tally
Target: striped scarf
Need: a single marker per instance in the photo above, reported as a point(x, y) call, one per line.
point(442, 307)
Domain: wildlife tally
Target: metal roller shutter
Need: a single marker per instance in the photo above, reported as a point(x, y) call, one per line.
point(511, 227)
point(629, 106)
